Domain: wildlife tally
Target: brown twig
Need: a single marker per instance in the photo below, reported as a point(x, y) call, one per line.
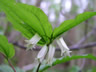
point(85, 46)
point(83, 39)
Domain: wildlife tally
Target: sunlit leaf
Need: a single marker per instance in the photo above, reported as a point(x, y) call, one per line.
point(68, 24)
point(42, 17)
point(6, 48)
point(0, 10)
point(66, 59)
point(27, 19)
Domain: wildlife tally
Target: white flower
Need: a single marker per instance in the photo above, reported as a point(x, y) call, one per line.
point(50, 54)
point(42, 53)
point(64, 48)
point(33, 41)
point(67, 53)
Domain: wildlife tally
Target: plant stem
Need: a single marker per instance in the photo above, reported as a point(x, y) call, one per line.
point(8, 62)
point(11, 66)
point(38, 67)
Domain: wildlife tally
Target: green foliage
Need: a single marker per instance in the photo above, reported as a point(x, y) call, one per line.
point(6, 68)
point(75, 69)
point(0, 10)
point(6, 48)
point(68, 24)
point(66, 69)
point(92, 70)
point(63, 60)
point(56, 70)
point(41, 16)
point(29, 20)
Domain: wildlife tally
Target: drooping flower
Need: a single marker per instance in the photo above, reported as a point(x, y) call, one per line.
point(33, 41)
point(64, 48)
point(50, 54)
point(42, 53)
point(67, 53)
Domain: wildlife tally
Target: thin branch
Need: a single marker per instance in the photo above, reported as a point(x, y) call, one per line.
point(83, 39)
point(85, 46)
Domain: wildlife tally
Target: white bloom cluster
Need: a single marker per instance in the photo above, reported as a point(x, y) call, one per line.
point(46, 52)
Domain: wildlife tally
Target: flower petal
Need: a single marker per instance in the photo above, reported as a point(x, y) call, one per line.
point(63, 43)
point(33, 41)
point(42, 53)
point(50, 54)
point(67, 53)
point(63, 46)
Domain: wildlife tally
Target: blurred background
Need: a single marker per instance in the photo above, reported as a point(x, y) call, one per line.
point(81, 39)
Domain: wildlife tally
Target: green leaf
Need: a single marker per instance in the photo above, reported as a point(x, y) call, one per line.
point(41, 16)
point(6, 48)
point(27, 19)
point(63, 60)
point(68, 24)
point(24, 16)
point(0, 10)
point(18, 23)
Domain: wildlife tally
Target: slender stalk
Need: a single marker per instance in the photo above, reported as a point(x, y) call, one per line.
point(9, 62)
point(11, 66)
point(38, 67)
